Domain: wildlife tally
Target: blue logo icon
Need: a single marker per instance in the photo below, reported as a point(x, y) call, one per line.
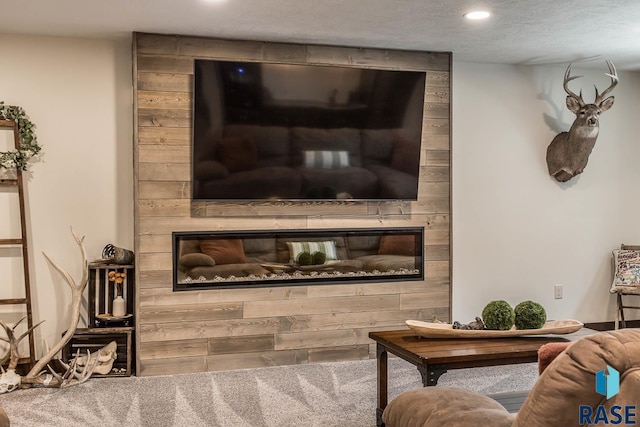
point(608, 384)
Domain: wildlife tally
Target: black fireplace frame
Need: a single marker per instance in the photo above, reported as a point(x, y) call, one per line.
point(317, 278)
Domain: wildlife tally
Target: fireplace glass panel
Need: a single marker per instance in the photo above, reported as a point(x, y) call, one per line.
point(229, 259)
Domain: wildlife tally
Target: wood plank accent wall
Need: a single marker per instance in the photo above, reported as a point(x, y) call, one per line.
point(221, 329)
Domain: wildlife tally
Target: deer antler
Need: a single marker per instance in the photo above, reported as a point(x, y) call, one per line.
point(565, 85)
point(613, 74)
point(12, 355)
point(76, 299)
point(79, 370)
point(72, 376)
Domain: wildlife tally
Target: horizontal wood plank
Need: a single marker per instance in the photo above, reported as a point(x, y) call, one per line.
point(320, 305)
point(155, 243)
point(155, 261)
point(167, 82)
point(165, 64)
point(241, 344)
point(438, 158)
point(424, 300)
point(150, 190)
point(147, 43)
point(219, 48)
point(438, 127)
point(435, 173)
point(162, 117)
point(439, 95)
point(379, 58)
point(167, 225)
point(161, 297)
point(164, 100)
point(439, 79)
point(164, 172)
point(437, 252)
point(221, 328)
point(316, 339)
point(155, 279)
point(436, 142)
point(368, 319)
point(289, 208)
point(164, 136)
point(161, 153)
point(164, 207)
point(173, 348)
point(436, 110)
point(169, 313)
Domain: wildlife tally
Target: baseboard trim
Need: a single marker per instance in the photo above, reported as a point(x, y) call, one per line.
point(610, 326)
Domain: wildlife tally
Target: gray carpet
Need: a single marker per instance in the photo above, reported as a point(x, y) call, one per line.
point(340, 394)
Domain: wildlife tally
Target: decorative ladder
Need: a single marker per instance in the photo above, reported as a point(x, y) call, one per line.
point(22, 241)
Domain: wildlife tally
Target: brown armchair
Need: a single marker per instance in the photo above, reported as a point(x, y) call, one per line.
point(555, 400)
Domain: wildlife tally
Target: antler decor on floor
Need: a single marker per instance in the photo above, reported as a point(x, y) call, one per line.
point(81, 367)
point(10, 380)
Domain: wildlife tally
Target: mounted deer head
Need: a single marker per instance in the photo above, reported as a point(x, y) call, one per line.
point(568, 153)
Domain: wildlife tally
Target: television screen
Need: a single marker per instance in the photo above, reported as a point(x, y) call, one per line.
point(264, 131)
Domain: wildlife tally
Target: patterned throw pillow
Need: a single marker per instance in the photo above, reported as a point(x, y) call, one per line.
point(326, 159)
point(626, 268)
point(327, 247)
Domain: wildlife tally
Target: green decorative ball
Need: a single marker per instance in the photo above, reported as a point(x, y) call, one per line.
point(530, 315)
point(318, 258)
point(305, 258)
point(498, 315)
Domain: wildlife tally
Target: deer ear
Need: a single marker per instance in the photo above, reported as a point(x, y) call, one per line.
point(573, 105)
point(606, 104)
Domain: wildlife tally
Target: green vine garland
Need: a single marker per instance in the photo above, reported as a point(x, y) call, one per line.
point(28, 141)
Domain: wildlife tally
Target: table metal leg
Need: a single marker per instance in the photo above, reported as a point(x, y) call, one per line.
point(431, 373)
point(381, 357)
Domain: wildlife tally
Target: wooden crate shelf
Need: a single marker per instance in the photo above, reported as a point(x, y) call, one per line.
point(102, 292)
point(93, 339)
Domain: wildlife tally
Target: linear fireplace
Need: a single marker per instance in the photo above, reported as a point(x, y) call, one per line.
point(231, 259)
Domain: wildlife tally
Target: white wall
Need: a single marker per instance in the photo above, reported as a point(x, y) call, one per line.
point(78, 93)
point(516, 231)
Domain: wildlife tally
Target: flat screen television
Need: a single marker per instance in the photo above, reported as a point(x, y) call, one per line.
point(267, 131)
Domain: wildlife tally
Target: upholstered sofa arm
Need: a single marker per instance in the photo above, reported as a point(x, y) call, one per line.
point(570, 380)
point(445, 406)
point(629, 393)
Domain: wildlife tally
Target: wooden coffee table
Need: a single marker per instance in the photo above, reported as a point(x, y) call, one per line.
point(434, 356)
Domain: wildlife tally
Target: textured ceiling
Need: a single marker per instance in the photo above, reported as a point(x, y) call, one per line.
point(519, 31)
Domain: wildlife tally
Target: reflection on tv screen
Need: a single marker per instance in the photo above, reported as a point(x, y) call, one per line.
point(296, 132)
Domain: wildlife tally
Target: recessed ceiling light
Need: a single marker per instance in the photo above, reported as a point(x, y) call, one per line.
point(478, 14)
